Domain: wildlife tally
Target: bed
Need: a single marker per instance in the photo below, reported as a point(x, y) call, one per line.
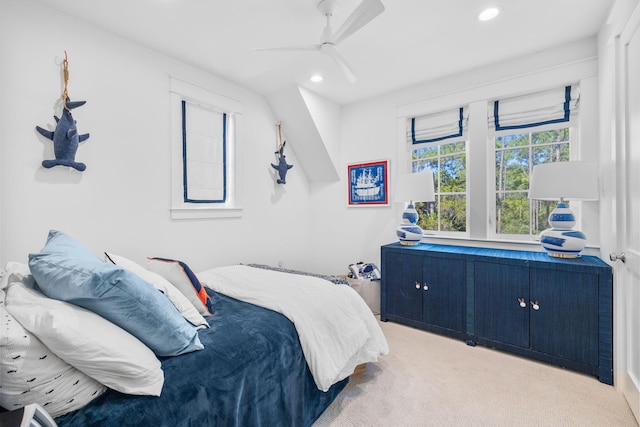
point(264, 360)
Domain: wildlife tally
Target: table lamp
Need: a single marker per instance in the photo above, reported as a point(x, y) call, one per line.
point(413, 187)
point(563, 181)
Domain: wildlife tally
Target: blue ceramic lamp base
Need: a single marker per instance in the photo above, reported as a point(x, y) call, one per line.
point(408, 232)
point(561, 241)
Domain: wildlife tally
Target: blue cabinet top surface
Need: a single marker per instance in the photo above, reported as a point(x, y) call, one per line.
point(492, 254)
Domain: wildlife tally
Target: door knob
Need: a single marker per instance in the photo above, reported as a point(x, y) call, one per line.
point(615, 257)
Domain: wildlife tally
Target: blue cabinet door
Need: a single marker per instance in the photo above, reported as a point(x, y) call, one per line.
point(403, 297)
point(443, 284)
point(500, 291)
point(565, 321)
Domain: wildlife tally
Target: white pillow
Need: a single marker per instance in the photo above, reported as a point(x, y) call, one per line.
point(90, 343)
point(180, 275)
point(181, 302)
point(31, 373)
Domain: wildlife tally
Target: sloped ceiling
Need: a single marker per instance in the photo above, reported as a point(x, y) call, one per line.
point(312, 124)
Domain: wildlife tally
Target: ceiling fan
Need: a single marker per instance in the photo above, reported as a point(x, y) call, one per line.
point(366, 11)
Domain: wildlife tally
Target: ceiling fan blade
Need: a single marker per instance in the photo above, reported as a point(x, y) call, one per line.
point(331, 50)
point(361, 16)
point(301, 48)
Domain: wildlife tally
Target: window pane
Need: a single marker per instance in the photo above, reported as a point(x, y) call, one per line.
point(427, 215)
point(517, 140)
point(551, 153)
point(421, 165)
point(456, 147)
point(453, 174)
point(453, 212)
point(512, 213)
point(448, 214)
point(540, 210)
point(512, 169)
point(548, 136)
point(425, 153)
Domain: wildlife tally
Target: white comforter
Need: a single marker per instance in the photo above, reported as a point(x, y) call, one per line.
point(336, 328)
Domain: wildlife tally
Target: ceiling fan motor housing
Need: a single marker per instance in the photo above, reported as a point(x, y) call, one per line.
point(326, 6)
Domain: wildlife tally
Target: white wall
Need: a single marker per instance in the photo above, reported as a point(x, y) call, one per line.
point(121, 202)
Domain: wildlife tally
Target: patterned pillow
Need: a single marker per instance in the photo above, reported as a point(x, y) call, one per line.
point(180, 302)
point(181, 276)
point(31, 373)
point(88, 342)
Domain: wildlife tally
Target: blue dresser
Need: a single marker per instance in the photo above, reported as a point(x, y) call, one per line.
point(554, 310)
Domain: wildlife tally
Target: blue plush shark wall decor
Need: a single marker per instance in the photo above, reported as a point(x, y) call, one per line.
point(65, 138)
point(282, 167)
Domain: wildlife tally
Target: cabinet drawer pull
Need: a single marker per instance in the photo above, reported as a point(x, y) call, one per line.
point(522, 303)
point(417, 285)
point(535, 305)
point(425, 287)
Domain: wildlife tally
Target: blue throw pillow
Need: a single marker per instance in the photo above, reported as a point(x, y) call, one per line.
point(67, 271)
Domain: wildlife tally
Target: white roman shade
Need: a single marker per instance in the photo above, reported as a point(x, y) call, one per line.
point(446, 125)
point(204, 154)
point(537, 109)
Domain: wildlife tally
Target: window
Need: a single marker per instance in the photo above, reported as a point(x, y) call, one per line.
point(515, 156)
point(528, 130)
point(482, 156)
point(204, 149)
point(438, 143)
point(204, 174)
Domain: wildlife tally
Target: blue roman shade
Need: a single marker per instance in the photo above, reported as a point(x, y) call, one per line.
point(533, 110)
point(431, 128)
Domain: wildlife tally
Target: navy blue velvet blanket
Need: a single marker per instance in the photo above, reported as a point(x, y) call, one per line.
point(251, 373)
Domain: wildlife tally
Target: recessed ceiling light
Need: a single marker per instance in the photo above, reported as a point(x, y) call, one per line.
point(488, 14)
point(316, 78)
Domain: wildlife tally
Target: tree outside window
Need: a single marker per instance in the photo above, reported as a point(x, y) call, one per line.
point(515, 156)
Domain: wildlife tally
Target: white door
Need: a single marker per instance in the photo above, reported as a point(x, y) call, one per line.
point(628, 212)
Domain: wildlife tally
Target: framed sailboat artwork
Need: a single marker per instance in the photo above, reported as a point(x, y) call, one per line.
point(369, 183)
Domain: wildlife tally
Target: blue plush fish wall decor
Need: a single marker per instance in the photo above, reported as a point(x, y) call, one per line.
point(65, 139)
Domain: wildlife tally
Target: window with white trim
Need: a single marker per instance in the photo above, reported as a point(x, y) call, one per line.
point(439, 143)
point(204, 174)
point(515, 156)
point(204, 149)
point(522, 132)
point(526, 131)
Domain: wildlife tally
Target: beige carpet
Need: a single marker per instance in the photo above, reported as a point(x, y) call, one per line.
point(430, 380)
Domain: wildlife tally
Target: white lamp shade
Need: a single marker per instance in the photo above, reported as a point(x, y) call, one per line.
point(564, 180)
point(415, 187)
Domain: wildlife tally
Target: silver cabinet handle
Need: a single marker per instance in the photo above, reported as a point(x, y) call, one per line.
point(417, 285)
point(535, 305)
point(522, 303)
point(425, 287)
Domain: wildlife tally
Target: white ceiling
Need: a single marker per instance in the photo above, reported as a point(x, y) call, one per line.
point(412, 41)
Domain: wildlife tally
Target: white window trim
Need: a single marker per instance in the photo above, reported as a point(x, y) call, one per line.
point(181, 90)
